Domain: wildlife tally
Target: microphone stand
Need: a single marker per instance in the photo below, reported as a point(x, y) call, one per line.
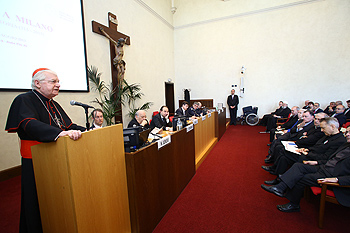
point(87, 118)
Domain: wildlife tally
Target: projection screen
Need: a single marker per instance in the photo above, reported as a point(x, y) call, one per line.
point(41, 33)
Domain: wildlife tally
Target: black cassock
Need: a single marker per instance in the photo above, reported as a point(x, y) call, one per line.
point(35, 119)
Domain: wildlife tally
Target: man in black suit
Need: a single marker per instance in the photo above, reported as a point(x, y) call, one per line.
point(330, 108)
point(317, 108)
point(97, 116)
point(140, 120)
point(192, 111)
point(263, 120)
point(300, 175)
point(323, 148)
point(339, 114)
point(161, 120)
point(232, 102)
point(182, 111)
point(271, 121)
point(293, 118)
point(347, 111)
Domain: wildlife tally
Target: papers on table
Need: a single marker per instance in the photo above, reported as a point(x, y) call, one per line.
point(290, 146)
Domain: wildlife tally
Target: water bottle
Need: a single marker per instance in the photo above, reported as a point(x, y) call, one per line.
point(178, 125)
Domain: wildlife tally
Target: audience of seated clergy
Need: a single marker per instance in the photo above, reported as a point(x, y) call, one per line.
point(192, 111)
point(339, 114)
point(330, 108)
point(292, 120)
point(183, 110)
point(97, 116)
point(140, 120)
point(335, 169)
point(301, 134)
point(161, 120)
point(323, 148)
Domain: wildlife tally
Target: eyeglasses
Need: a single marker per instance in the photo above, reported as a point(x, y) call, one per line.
point(51, 81)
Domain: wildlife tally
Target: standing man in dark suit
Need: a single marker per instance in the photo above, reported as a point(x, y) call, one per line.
point(300, 175)
point(232, 102)
point(161, 120)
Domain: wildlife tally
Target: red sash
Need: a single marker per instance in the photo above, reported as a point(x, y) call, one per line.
point(25, 148)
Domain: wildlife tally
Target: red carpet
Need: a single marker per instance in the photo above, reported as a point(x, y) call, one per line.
point(10, 204)
point(225, 194)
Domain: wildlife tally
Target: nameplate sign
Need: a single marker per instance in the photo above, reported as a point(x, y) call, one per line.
point(195, 121)
point(203, 118)
point(209, 114)
point(189, 128)
point(164, 141)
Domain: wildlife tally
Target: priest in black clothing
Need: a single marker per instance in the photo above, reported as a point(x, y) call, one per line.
point(161, 120)
point(140, 120)
point(37, 118)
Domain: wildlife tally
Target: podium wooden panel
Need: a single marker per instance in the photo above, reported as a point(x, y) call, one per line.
point(205, 138)
point(82, 185)
point(157, 177)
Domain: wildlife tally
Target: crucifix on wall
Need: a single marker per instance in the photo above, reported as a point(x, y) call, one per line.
point(117, 42)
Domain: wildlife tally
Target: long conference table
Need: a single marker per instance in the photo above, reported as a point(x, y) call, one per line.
point(132, 197)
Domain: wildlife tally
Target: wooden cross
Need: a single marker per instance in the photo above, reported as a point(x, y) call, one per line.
point(113, 33)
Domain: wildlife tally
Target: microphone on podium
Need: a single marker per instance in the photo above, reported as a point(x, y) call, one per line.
point(72, 102)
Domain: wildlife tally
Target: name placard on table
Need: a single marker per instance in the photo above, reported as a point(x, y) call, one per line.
point(195, 121)
point(164, 141)
point(189, 128)
point(204, 117)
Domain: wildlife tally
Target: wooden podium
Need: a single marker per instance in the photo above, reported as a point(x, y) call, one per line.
point(82, 185)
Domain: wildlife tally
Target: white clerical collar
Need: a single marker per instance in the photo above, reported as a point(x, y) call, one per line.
point(96, 126)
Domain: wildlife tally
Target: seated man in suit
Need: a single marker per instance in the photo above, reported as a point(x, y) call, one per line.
point(324, 147)
point(200, 111)
point(329, 110)
point(140, 120)
point(306, 106)
point(317, 108)
point(339, 114)
point(182, 111)
point(336, 170)
point(265, 118)
point(97, 116)
point(293, 118)
point(161, 120)
point(192, 111)
point(347, 111)
point(271, 121)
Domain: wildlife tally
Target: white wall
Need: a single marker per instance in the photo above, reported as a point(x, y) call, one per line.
point(149, 58)
point(292, 51)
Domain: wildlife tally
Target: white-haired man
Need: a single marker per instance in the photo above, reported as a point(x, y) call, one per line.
point(37, 118)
